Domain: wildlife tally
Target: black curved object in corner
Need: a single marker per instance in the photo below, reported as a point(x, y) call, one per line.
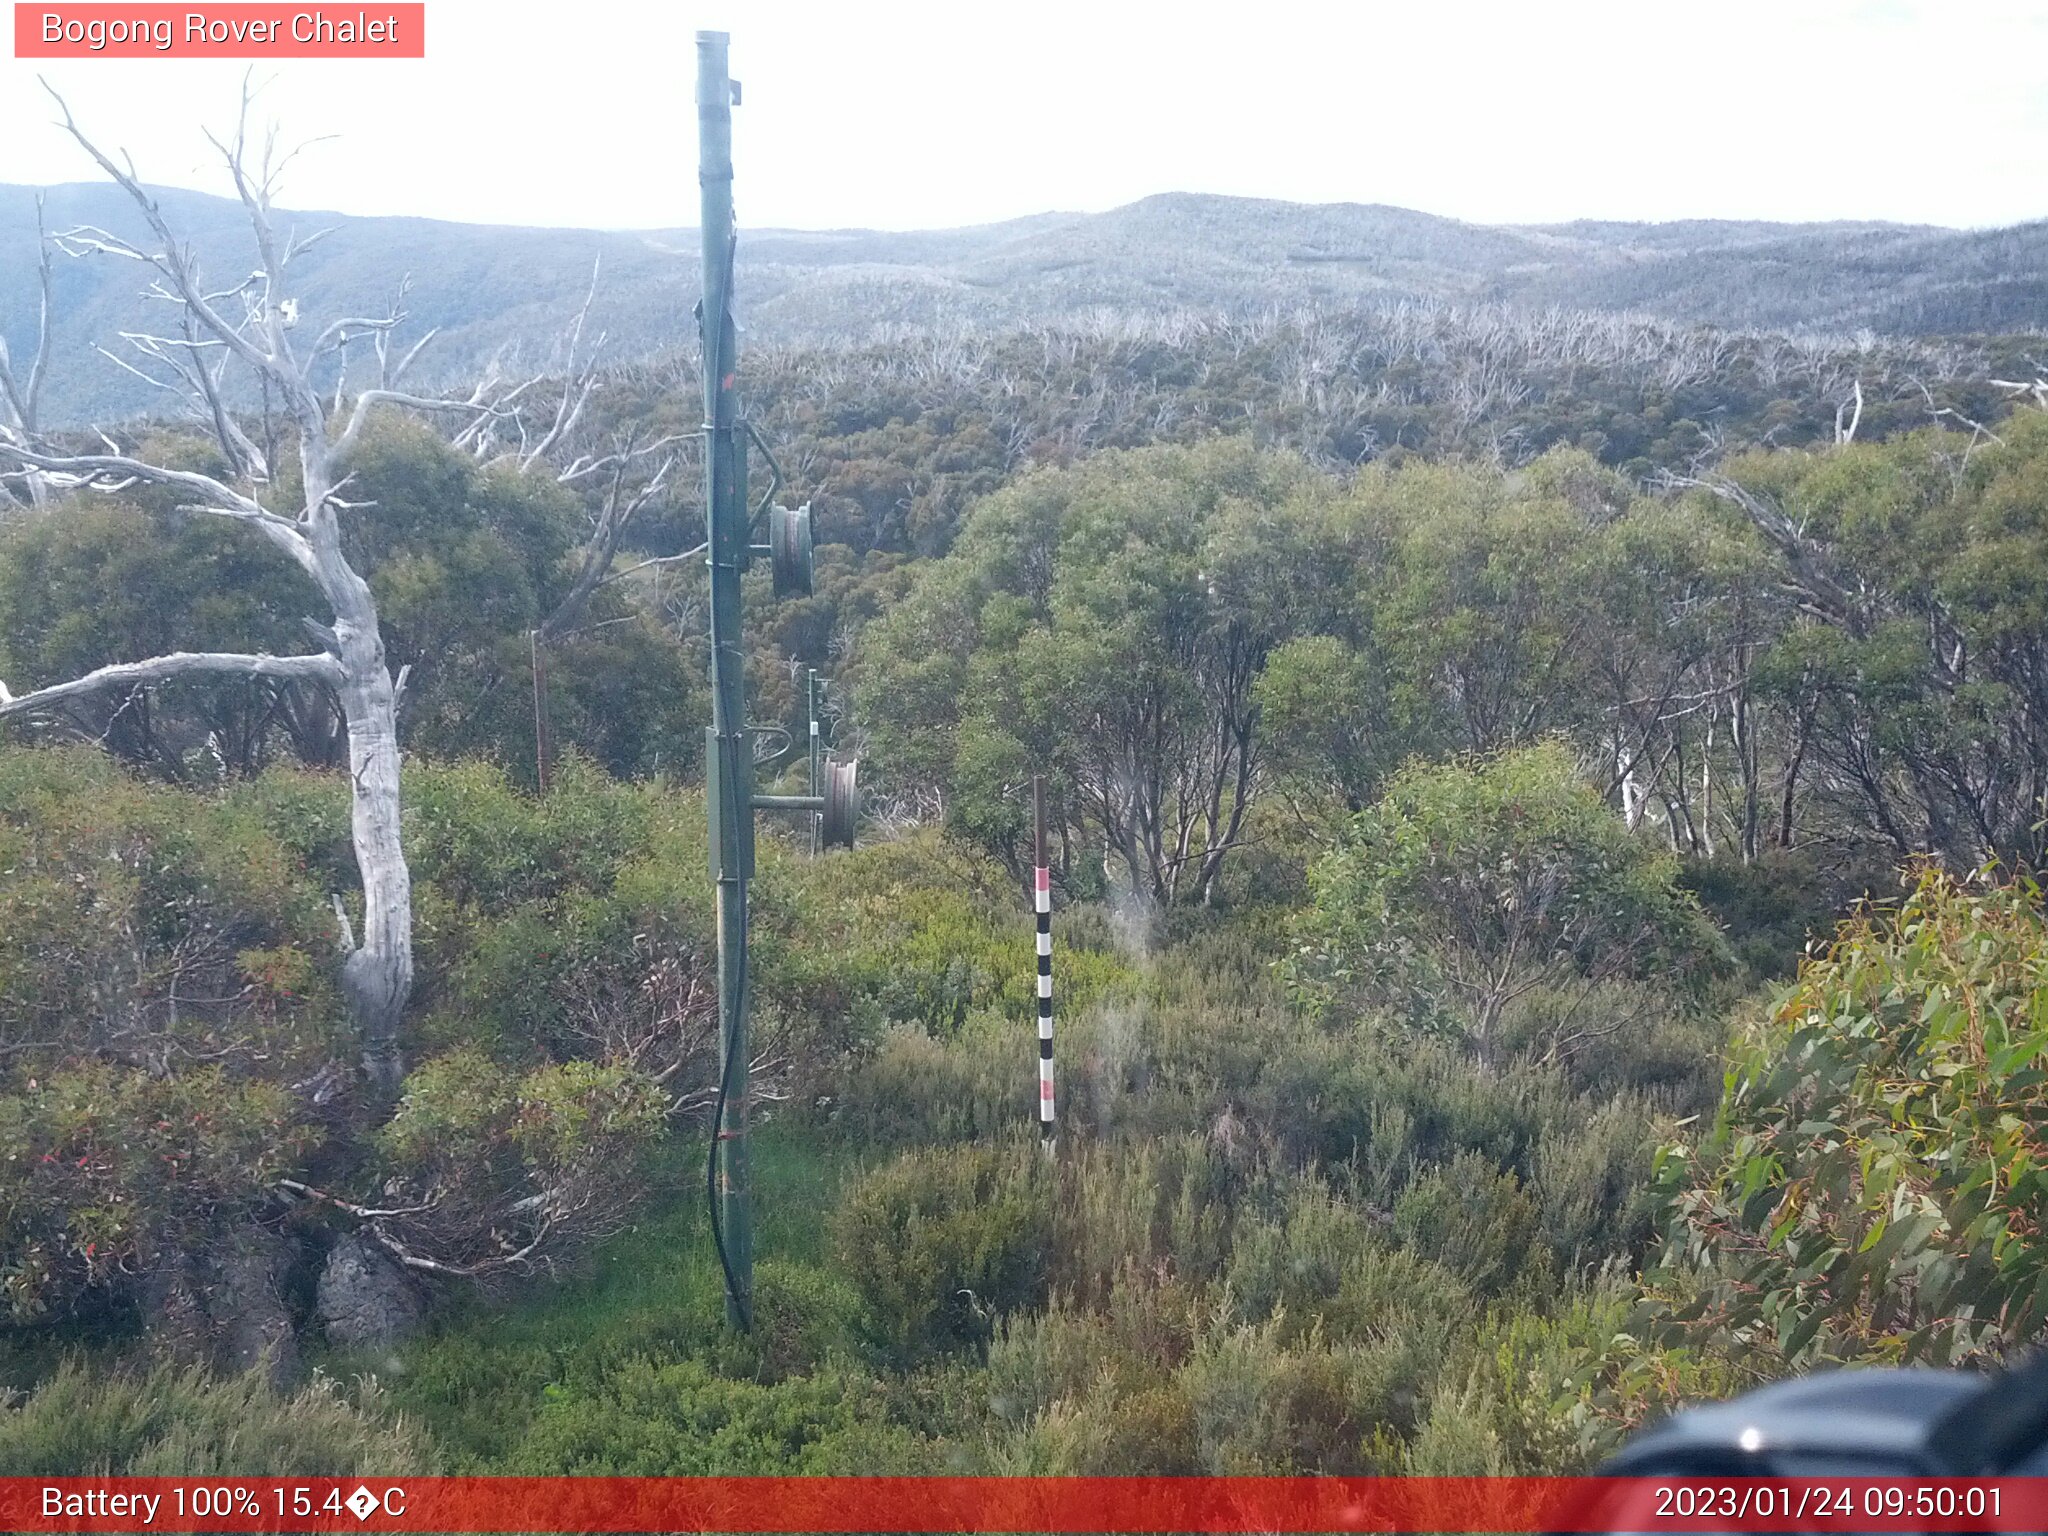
point(1858, 1423)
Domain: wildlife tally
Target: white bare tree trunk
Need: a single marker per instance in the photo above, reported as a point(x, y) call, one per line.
point(376, 977)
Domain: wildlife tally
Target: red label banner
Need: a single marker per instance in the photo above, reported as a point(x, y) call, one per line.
point(229, 31)
point(1021, 1504)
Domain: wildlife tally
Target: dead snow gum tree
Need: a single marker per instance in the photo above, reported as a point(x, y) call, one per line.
point(251, 325)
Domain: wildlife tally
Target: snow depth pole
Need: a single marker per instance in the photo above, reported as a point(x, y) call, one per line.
point(813, 784)
point(728, 766)
point(1041, 888)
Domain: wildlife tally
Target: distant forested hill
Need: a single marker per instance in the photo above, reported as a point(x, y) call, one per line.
point(491, 289)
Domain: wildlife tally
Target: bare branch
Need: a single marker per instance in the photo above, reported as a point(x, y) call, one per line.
point(256, 203)
point(374, 397)
point(296, 247)
point(576, 387)
point(586, 465)
point(24, 398)
point(234, 442)
point(342, 332)
point(172, 261)
point(658, 560)
point(1845, 432)
point(348, 929)
point(364, 1212)
point(392, 375)
point(1802, 557)
point(2036, 390)
point(91, 240)
point(148, 378)
point(84, 468)
point(159, 669)
point(411, 1260)
point(620, 507)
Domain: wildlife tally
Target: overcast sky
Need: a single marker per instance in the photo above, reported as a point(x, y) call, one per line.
point(895, 114)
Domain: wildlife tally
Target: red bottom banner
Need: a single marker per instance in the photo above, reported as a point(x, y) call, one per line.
point(1021, 1504)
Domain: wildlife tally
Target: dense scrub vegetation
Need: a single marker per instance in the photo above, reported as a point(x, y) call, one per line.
point(1461, 1060)
point(1312, 1210)
point(1351, 1236)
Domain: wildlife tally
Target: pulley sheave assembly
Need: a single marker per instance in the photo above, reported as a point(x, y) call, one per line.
point(789, 549)
point(841, 811)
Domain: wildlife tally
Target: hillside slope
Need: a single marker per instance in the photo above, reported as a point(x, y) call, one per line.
point(491, 289)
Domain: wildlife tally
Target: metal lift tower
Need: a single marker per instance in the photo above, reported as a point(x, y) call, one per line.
point(729, 761)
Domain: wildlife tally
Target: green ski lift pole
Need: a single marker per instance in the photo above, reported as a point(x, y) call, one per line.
point(728, 767)
point(834, 798)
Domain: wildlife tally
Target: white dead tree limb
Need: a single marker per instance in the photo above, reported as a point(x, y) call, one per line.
point(629, 486)
point(1811, 582)
point(160, 669)
point(579, 381)
point(2035, 390)
point(250, 324)
point(628, 473)
point(21, 389)
point(634, 476)
point(1848, 416)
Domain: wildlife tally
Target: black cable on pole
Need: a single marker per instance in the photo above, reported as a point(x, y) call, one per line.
point(742, 1302)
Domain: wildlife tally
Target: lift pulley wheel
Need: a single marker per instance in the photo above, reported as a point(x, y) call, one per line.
point(842, 804)
point(789, 549)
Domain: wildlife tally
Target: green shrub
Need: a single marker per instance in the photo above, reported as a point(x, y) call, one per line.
point(307, 812)
point(111, 1172)
point(1873, 1186)
point(1456, 1440)
point(489, 1164)
point(1262, 1408)
point(1396, 1297)
point(1533, 1379)
point(1773, 907)
point(1471, 882)
point(1152, 1433)
point(1396, 1105)
point(1636, 1037)
point(1107, 1429)
point(940, 1243)
point(1472, 1218)
point(126, 915)
point(558, 926)
point(1592, 1187)
point(920, 932)
point(1162, 1204)
point(915, 1090)
point(681, 1420)
point(1132, 1341)
point(487, 844)
point(804, 1319)
point(183, 1423)
point(1037, 1360)
point(1294, 1264)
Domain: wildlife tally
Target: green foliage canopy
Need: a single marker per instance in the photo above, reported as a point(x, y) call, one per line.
point(1874, 1187)
point(1468, 886)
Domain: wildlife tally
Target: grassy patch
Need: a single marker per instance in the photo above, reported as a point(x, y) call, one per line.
point(653, 1294)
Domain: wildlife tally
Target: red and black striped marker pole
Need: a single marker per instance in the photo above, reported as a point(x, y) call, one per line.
point(1041, 885)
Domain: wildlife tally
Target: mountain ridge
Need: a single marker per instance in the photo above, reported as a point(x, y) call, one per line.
point(501, 289)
